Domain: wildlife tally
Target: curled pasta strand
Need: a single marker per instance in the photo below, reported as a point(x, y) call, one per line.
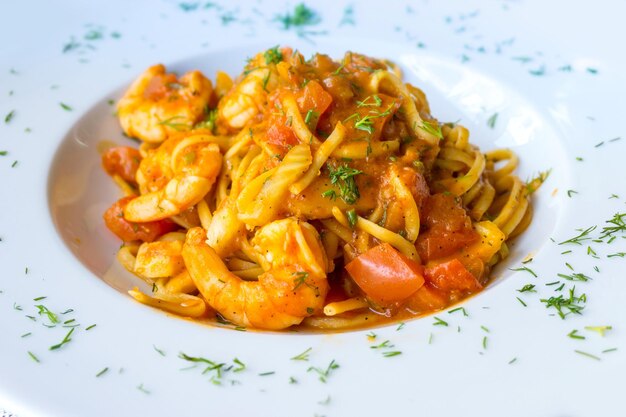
point(411, 212)
point(380, 233)
point(259, 201)
point(182, 304)
point(343, 232)
point(362, 149)
point(498, 155)
point(340, 307)
point(459, 186)
point(320, 156)
point(386, 82)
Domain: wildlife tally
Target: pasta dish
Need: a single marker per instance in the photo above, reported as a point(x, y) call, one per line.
point(305, 192)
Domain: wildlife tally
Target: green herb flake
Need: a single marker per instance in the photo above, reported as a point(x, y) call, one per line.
point(304, 356)
point(65, 340)
point(273, 56)
point(33, 357)
point(9, 117)
point(439, 322)
point(582, 236)
point(589, 355)
point(159, 351)
point(574, 335)
point(302, 16)
point(462, 309)
point(141, 388)
point(392, 353)
point(524, 268)
point(352, 218)
point(527, 288)
point(601, 330)
point(324, 373)
point(65, 107)
point(43, 310)
point(240, 365)
point(565, 306)
point(432, 128)
point(102, 372)
point(491, 122)
point(344, 177)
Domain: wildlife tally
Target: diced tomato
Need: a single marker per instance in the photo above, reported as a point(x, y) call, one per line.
point(314, 97)
point(280, 135)
point(129, 231)
point(452, 276)
point(426, 299)
point(123, 161)
point(447, 228)
point(385, 275)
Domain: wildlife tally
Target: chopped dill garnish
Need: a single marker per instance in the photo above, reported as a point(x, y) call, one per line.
point(533, 184)
point(432, 128)
point(573, 304)
point(65, 107)
point(343, 177)
point(324, 373)
point(392, 353)
point(66, 339)
point(524, 268)
point(601, 330)
point(462, 309)
point(439, 322)
point(304, 356)
point(352, 218)
point(527, 288)
point(273, 55)
point(302, 16)
point(589, 355)
point(574, 335)
point(102, 372)
point(9, 117)
point(582, 236)
point(491, 122)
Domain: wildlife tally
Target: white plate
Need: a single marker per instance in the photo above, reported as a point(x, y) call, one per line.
point(471, 62)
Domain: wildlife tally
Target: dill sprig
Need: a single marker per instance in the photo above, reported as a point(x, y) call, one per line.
point(618, 222)
point(324, 373)
point(581, 237)
point(343, 177)
point(573, 304)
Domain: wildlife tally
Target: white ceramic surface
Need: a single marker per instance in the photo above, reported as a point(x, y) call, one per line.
point(558, 92)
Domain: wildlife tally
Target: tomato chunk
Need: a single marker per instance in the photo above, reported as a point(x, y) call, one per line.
point(123, 161)
point(427, 298)
point(314, 97)
point(452, 275)
point(385, 275)
point(129, 231)
point(448, 228)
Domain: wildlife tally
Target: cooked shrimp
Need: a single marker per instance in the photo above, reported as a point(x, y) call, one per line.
point(293, 286)
point(175, 177)
point(158, 104)
point(249, 95)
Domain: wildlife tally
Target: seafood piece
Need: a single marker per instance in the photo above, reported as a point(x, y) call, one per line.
point(159, 104)
point(293, 286)
point(175, 177)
